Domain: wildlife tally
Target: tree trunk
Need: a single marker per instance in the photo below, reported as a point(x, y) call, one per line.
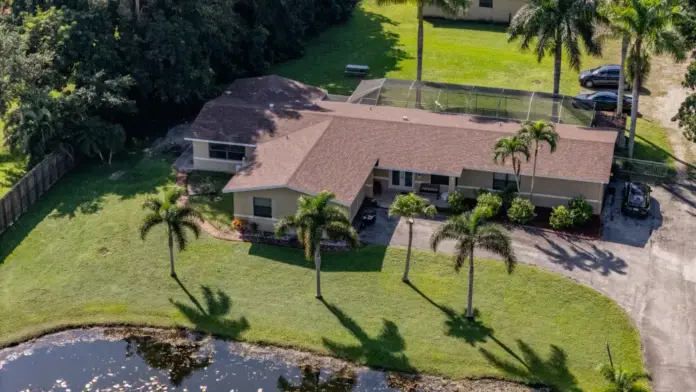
point(517, 167)
point(634, 106)
point(558, 56)
point(622, 88)
point(408, 251)
point(317, 267)
point(172, 273)
point(419, 57)
point(470, 304)
point(111, 154)
point(137, 10)
point(531, 186)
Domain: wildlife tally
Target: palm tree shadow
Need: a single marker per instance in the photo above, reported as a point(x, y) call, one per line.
point(471, 331)
point(531, 367)
point(310, 381)
point(384, 350)
point(213, 317)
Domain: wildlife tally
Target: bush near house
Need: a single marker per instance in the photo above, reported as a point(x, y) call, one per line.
point(581, 210)
point(491, 202)
point(520, 211)
point(457, 202)
point(561, 218)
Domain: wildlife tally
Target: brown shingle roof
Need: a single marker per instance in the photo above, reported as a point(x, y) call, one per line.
point(334, 145)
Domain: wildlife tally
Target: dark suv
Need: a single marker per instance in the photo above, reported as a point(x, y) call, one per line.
point(606, 75)
point(636, 199)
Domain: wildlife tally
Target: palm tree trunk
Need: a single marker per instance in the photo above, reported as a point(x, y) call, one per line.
point(419, 57)
point(172, 273)
point(531, 186)
point(317, 268)
point(137, 10)
point(470, 302)
point(558, 56)
point(517, 167)
point(634, 106)
point(408, 251)
point(622, 87)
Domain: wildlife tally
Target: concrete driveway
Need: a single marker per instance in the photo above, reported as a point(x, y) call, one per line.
point(647, 266)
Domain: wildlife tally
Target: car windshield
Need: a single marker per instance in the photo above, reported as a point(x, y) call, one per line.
point(603, 96)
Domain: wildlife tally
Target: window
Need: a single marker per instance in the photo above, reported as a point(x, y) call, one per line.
point(226, 151)
point(501, 181)
point(486, 3)
point(439, 180)
point(262, 207)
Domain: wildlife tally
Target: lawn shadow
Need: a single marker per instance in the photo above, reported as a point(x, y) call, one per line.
point(383, 351)
point(531, 367)
point(367, 259)
point(213, 318)
point(311, 381)
point(362, 40)
point(83, 191)
point(442, 23)
point(583, 255)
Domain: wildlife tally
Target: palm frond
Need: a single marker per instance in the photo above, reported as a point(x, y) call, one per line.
point(179, 235)
point(345, 232)
point(187, 212)
point(494, 239)
point(152, 203)
point(193, 226)
point(451, 7)
point(151, 220)
point(284, 224)
point(462, 252)
point(454, 228)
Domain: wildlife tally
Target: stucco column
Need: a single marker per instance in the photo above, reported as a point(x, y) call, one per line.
point(452, 184)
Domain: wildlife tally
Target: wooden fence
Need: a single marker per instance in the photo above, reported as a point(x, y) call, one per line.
point(30, 187)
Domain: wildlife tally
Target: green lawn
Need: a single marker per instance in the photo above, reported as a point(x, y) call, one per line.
point(77, 258)
point(216, 207)
point(652, 142)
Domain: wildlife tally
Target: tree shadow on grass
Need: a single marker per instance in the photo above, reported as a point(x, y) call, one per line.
point(213, 317)
point(382, 351)
point(367, 259)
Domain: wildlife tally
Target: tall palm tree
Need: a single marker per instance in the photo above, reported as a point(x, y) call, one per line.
point(621, 381)
point(471, 231)
point(515, 148)
point(551, 26)
point(314, 218)
point(175, 217)
point(538, 132)
point(410, 206)
point(650, 24)
point(606, 15)
point(452, 7)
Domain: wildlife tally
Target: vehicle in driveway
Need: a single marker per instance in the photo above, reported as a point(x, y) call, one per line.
point(604, 76)
point(636, 199)
point(602, 100)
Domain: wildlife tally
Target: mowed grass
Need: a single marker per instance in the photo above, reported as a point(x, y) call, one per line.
point(76, 258)
point(652, 142)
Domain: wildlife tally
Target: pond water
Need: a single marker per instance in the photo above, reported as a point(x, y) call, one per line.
point(152, 360)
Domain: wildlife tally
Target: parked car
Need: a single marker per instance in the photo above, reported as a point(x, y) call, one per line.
point(636, 199)
point(602, 100)
point(606, 75)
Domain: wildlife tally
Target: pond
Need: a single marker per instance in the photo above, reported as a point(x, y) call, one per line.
point(122, 359)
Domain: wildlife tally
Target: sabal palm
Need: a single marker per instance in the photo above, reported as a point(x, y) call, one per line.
point(316, 217)
point(176, 218)
point(551, 26)
point(538, 133)
point(649, 22)
point(452, 7)
point(471, 231)
point(514, 148)
point(621, 381)
point(410, 206)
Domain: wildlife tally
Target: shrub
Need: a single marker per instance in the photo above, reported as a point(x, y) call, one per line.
point(457, 202)
point(580, 210)
point(561, 218)
point(484, 211)
point(520, 211)
point(239, 225)
point(491, 201)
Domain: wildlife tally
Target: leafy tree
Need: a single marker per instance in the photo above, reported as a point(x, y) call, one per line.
point(515, 148)
point(687, 111)
point(471, 231)
point(553, 25)
point(410, 206)
point(538, 133)
point(650, 23)
point(176, 218)
point(622, 381)
point(316, 217)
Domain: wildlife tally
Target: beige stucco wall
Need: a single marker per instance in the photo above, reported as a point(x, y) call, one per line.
point(502, 11)
point(381, 173)
point(202, 160)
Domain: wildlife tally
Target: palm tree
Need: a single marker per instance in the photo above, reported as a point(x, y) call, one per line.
point(606, 15)
point(410, 206)
point(551, 26)
point(649, 22)
point(515, 148)
point(621, 381)
point(470, 230)
point(452, 7)
point(538, 132)
point(176, 217)
point(314, 218)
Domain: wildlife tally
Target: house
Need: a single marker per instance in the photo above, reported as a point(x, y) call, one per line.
point(499, 11)
point(281, 139)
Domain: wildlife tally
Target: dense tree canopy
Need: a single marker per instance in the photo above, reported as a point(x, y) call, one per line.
point(82, 75)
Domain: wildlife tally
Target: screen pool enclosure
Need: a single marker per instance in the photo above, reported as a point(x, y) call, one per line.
point(501, 103)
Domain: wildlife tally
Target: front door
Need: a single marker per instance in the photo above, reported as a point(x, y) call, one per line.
point(401, 179)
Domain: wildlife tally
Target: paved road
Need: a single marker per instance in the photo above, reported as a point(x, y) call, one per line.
point(648, 267)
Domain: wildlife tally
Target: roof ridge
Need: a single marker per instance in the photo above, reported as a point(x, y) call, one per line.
point(316, 143)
